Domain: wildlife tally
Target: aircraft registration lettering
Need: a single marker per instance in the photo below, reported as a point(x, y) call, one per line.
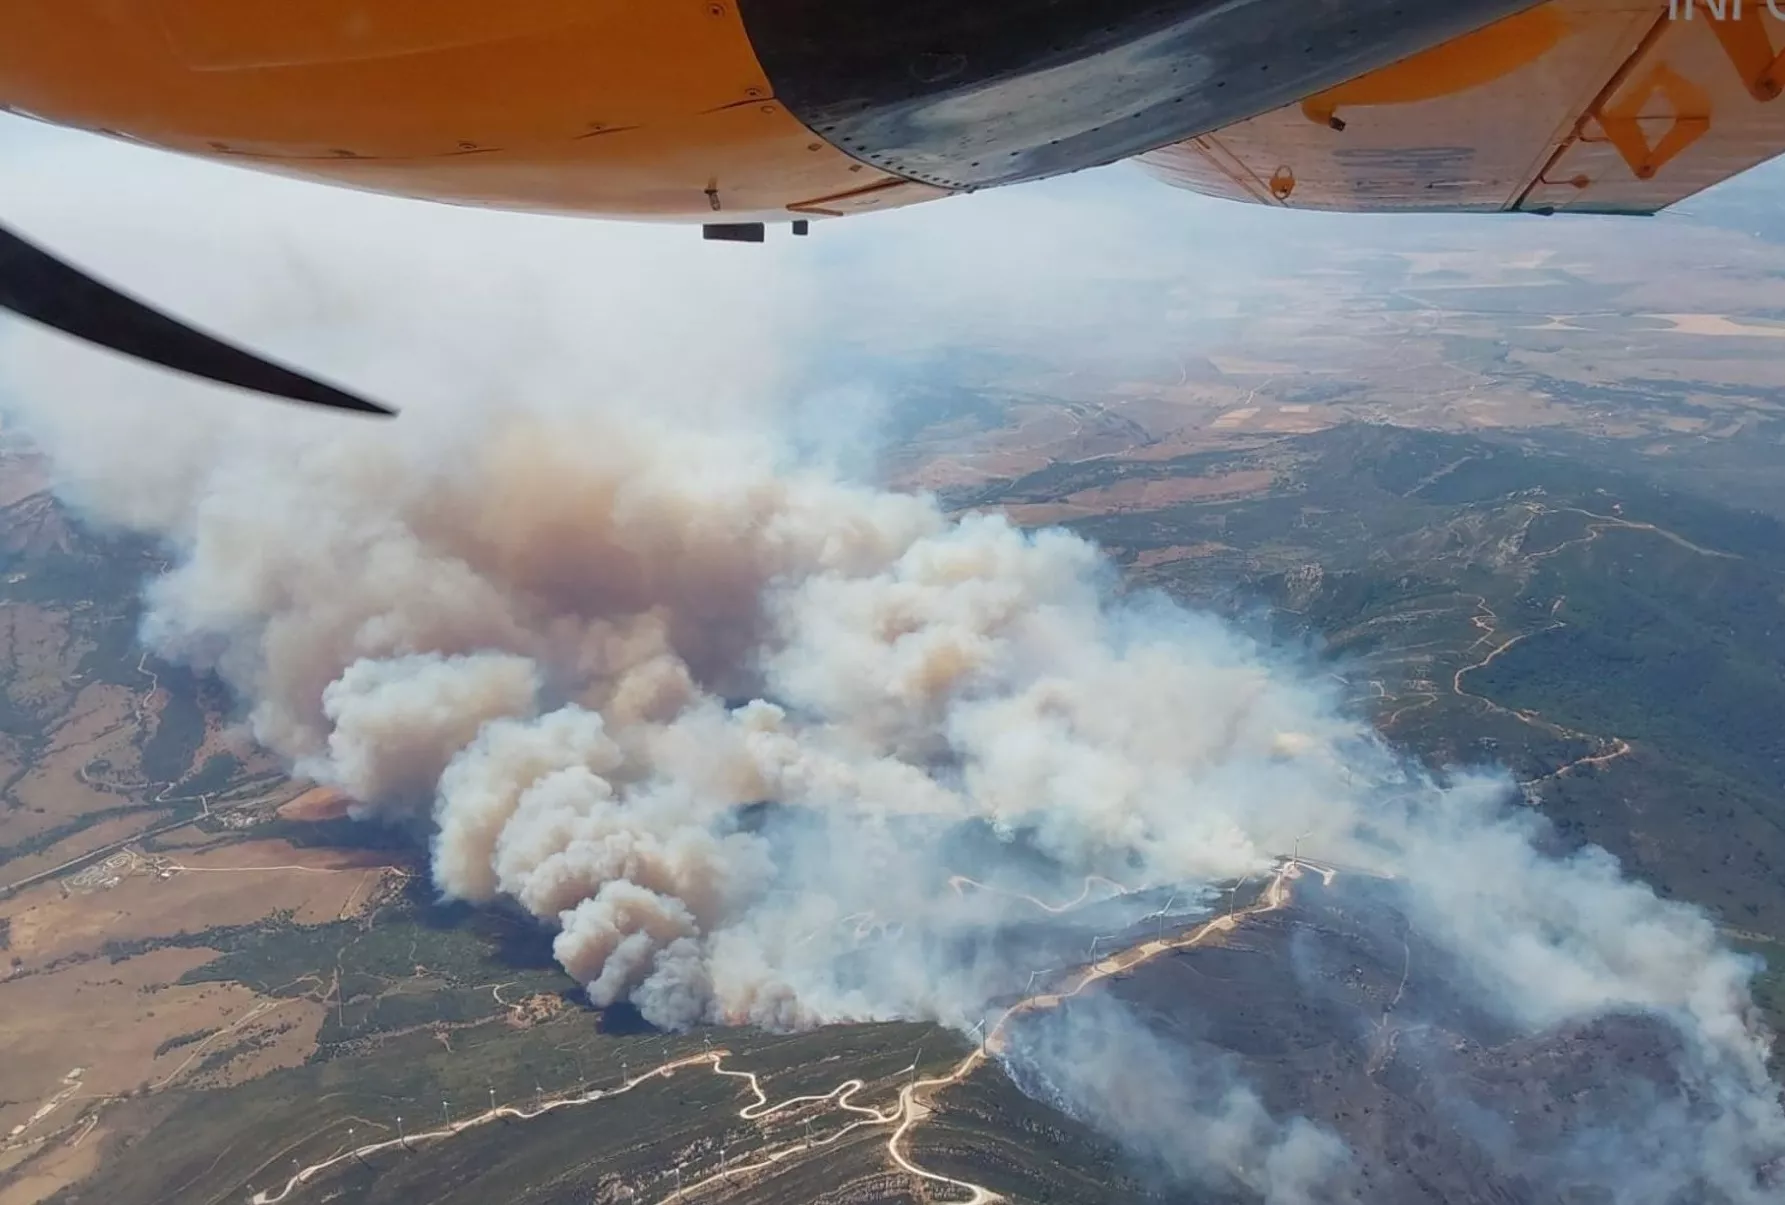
point(1401, 171)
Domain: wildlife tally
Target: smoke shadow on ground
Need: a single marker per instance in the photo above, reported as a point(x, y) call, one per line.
point(621, 1019)
point(1383, 1040)
point(516, 940)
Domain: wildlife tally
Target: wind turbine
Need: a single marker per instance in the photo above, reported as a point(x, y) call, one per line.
point(1296, 850)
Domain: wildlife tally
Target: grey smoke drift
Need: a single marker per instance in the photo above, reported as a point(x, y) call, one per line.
point(580, 641)
point(582, 644)
point(537, 641)
point(1095, 1063)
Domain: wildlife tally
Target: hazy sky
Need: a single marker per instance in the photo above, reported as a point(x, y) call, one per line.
point(401, 298)
point(208, 239)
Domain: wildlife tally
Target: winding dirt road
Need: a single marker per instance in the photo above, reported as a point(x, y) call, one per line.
point(1610, 748)
point(960, 882)
point(914, 1100)
point(1607, 748)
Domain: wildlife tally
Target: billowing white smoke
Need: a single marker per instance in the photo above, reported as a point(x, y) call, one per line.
point(585, 643)
point(582, 639)
point(1095, 1062)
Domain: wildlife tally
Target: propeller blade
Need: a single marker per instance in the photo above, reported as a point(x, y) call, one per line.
point(37, 285)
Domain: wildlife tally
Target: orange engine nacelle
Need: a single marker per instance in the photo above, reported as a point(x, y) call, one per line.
point(651, 109)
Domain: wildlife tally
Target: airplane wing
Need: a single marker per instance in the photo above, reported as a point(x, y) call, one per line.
point(789, 110)
point(1586, 106)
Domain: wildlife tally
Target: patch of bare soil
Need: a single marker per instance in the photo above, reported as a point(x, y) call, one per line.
point(77, 1036)
point(1150, 557)
point(318, 803)
point(89, 840)
point(183, 892)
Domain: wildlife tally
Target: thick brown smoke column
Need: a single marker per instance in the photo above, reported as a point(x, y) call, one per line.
point(578, 638)
point(534, 635)
point(541, 633)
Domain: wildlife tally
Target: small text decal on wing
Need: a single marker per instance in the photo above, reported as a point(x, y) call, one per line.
point(1596, 106)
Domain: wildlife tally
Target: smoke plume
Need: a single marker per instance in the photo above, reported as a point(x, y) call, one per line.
point(727, 722)
point(1239, 1147)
